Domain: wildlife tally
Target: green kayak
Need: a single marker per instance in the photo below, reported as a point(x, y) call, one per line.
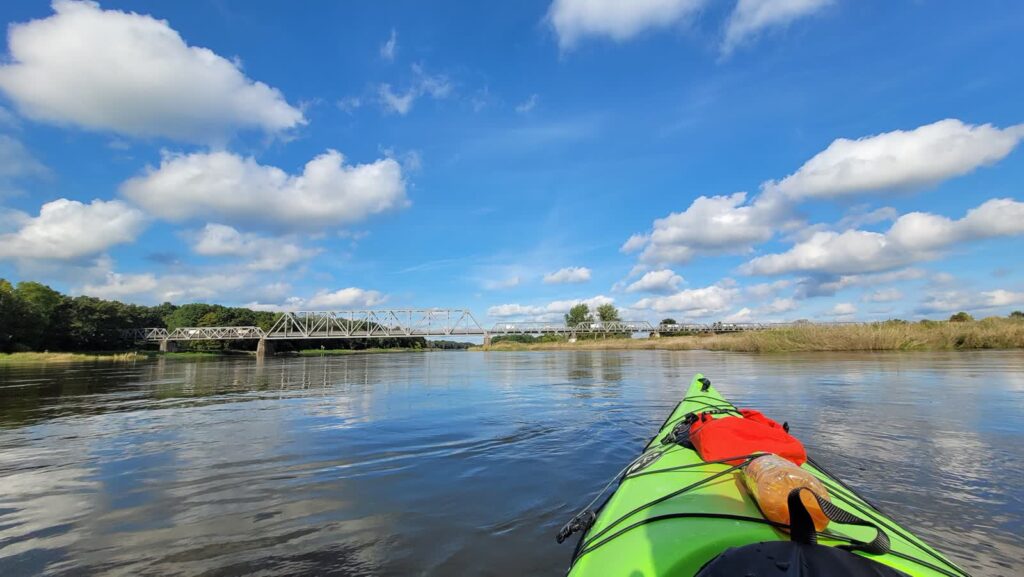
point(672, 513)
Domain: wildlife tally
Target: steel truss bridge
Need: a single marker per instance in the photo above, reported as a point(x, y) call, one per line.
point(361, 324)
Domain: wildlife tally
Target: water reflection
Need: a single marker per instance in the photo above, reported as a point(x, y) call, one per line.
point(459, 463)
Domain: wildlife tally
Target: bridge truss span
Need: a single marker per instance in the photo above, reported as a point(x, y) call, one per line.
point(375, 324)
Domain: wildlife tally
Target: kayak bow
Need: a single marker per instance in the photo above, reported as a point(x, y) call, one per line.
point(672, 513)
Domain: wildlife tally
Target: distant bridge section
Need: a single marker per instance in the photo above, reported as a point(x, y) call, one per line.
point(392, 323)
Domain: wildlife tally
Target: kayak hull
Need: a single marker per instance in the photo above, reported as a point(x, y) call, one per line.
point(701, 509)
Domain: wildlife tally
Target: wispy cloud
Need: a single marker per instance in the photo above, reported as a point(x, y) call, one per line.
point(437, 86)
point(528, 104)
point(568, 275)
point(752, 17)
point(390, 47)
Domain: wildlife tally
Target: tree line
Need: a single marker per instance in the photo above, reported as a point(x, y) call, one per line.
point(34, 317)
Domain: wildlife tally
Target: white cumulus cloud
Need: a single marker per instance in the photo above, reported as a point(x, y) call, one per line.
point(351, 297)
point(130, 73)
point(616, 19)
point(692, 302)
point(1002, 298)
point(711, 225)
point(262, 253)
point(230, 188)
point(828, 285)
point(914, 237)
point(741, 316)
point(224, 285)
point(843, 310)
point(899, 159)
point(119, 286)
point(730, 224)
point(750, 17)
point(568, 275)
point(948, 301)
point(767, 290)
point(68, 229)
point(657, 281)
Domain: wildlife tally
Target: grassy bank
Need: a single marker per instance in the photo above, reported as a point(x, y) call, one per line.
point(27, 358)
point(338, 352)
point(992, 333)
point(120, 357)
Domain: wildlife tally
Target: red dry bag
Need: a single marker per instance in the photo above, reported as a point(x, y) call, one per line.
point(719, 439)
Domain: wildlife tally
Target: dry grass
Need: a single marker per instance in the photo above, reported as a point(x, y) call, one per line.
point(26, 358)
point(990, 333)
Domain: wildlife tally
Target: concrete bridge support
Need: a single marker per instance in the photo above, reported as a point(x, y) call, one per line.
point(264, 348)
point(655, 335)
point(487, 339)
point(168, 346)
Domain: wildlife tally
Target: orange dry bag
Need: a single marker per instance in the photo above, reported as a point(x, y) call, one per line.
point(729, 437)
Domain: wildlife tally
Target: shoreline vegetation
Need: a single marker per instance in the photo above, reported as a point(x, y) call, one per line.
point(989, 333)
point(106, 356)
point(47, 357)
point(132, 356)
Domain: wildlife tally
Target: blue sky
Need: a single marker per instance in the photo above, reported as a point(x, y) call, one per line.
point(699, 159)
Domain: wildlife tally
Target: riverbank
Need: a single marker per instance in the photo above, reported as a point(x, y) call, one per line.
point(43, 358)
point(992, 333)
point(118, 357)
point(28, 358)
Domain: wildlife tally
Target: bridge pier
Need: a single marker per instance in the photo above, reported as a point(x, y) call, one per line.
point(168, 346)
point(264, 348)
point(487, 339)
point(655, 335)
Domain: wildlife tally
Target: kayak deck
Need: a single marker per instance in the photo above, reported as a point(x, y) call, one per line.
point(672, 515)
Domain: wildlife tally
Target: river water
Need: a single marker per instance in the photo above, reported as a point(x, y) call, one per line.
point(461, 463)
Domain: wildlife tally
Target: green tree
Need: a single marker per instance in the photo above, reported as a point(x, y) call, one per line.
point(608, 313)
point(961, 317)
point(92, 324)
point(578, 314)
point(14, 317)
point(187, 315)
point(669, 321)
point(1017, 315)
point(44, 306)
